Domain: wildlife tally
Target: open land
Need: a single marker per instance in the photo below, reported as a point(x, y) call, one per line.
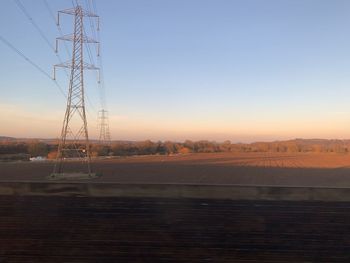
point(295, 169)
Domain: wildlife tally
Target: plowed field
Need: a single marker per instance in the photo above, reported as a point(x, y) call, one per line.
point(301, 169)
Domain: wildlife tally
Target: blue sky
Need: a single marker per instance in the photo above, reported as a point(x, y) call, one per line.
point(190, 69)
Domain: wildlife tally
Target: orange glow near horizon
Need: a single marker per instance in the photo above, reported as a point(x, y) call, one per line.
point(18, 123)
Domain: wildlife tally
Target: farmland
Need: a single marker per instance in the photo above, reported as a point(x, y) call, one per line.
point(299, 169)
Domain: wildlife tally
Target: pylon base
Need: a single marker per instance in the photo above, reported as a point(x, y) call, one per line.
point(72, 176)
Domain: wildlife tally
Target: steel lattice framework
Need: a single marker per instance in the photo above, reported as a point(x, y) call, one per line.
point(105, 137)
point(74, 141)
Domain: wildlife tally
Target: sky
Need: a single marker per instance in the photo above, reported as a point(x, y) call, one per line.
point(239, 70)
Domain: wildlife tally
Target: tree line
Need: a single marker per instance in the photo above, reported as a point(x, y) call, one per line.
point(35, 148)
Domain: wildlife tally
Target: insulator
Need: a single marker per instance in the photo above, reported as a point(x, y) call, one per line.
point(54, 73)
point(58, 18)
point(56, 48)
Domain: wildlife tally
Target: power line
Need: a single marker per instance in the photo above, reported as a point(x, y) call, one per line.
point(23, 9)
point(97, 49)
point(92, 26)
point(25, 12)
point(32, 21)
point(57, 25)
point(31, 62)
point(66, 47)
point(92, 8)
point(92, 61)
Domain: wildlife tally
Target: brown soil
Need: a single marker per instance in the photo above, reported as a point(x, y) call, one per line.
point(306, 169)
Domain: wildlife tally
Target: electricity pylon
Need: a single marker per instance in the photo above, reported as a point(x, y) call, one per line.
point(105, 137)
point(74, 141)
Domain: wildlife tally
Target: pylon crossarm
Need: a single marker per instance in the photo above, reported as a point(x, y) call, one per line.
point(70, 37)
point(69, 64)
point(73, 11)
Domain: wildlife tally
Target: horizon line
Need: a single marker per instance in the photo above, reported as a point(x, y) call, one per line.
point(4, 137)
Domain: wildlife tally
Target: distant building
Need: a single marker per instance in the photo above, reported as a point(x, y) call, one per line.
point(38, 159)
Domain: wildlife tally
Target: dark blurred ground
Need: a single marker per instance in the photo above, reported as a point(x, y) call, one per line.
point(86, 229)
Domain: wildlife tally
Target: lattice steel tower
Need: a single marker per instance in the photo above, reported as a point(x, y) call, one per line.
point(74, 141)
point(105, 137)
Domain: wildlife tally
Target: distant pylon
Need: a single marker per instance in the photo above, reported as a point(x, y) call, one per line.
point(105, 137)
point(74, 141)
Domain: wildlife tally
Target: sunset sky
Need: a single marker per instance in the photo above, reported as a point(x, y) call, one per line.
point(189, 69)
